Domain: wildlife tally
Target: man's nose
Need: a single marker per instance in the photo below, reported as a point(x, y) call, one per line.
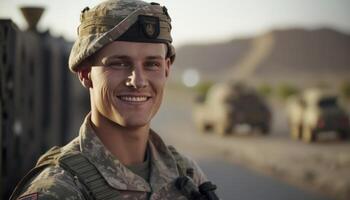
point(137, 79)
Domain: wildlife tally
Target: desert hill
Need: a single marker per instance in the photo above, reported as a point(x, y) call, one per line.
point(292, 55)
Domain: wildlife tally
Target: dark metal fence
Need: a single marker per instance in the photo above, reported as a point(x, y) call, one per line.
point(39, 99)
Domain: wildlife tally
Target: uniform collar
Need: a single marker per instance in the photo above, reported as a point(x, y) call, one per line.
point(163, 164)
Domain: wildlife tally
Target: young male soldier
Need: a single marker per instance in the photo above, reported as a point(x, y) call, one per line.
point(122, 56)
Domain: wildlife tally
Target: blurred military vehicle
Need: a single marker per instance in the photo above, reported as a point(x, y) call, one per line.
point(316, 111)
point(227, 106)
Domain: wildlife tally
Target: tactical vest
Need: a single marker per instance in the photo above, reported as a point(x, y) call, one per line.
point(86, 176)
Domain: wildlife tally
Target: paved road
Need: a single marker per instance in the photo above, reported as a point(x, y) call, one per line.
point(236, 182)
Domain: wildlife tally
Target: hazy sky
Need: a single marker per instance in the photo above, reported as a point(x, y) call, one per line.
point(203, 20)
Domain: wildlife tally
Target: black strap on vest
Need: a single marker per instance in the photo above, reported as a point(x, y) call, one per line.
point(182, 166)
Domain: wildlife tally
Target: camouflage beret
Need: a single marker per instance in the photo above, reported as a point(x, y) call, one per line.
point(111, 19)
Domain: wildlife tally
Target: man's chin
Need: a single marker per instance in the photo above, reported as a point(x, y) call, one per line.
point(134, 124)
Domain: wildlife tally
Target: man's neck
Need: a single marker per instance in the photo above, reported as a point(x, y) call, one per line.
point(127, 144)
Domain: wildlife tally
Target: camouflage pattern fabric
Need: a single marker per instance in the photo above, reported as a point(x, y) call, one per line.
point(55, 183)
point(108, 21)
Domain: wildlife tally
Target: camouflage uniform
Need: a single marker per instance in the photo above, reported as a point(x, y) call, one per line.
point(56, 183)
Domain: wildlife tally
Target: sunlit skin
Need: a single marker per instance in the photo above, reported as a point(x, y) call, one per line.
point(126, 82)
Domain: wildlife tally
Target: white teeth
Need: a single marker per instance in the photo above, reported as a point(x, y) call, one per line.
point(133, 99)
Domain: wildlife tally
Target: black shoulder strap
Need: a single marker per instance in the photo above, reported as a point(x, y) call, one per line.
point(182, 165)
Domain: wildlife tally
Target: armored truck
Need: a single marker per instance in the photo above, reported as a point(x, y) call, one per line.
point(228, 105)
point(316, 111)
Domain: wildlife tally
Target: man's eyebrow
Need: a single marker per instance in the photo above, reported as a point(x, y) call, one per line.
point(154, 57)
point(107, 59)
point(118, 56)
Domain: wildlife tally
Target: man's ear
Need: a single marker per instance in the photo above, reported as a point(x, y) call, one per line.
point(167, 67)
point(84, 75)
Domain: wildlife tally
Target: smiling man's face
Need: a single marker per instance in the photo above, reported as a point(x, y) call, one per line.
point(128, 80)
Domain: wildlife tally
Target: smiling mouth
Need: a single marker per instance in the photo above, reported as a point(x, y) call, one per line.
point(134, 99)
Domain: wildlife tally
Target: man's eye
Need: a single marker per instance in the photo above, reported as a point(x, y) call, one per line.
point(153, 65)
point(119, 65)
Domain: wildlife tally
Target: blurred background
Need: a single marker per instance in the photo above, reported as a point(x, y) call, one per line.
point(259, 92)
